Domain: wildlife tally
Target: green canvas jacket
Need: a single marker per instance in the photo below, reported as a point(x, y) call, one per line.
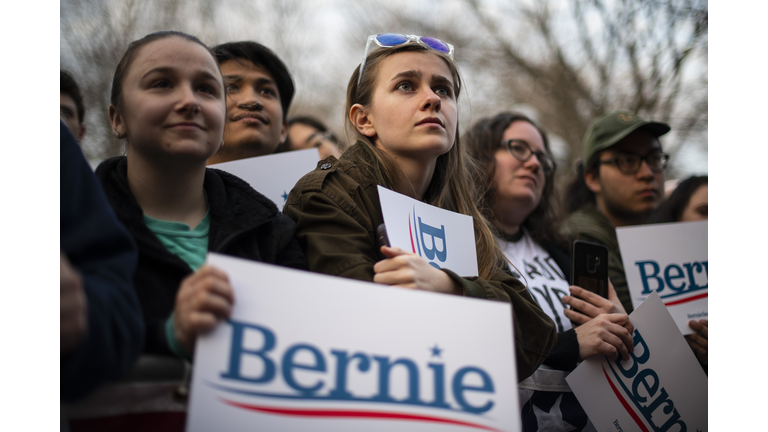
point(336, 208)
point(588, 224)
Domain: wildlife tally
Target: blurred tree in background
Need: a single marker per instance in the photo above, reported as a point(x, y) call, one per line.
point(562, 61)
point(95, 33)
point(567, 62)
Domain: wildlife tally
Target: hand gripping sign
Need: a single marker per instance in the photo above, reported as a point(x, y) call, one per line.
point(304, 351)
point(443, 238)
point(273, 175)
point(660, 388)
point(670, 259)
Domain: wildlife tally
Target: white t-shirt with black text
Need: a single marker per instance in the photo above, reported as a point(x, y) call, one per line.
point(546, 401)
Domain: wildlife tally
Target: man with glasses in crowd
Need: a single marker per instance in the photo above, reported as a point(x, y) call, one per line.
point(620, 182)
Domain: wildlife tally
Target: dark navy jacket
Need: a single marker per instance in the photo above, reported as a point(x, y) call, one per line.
point(105, 255)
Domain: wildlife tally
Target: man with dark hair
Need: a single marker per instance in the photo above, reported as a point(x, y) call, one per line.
point(259, 92)
point(71, 106)
point(620, 182)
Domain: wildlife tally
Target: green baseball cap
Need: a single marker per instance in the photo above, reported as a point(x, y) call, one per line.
point(612, 128)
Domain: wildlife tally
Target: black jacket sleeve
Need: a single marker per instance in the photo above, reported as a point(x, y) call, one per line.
point(565, 354)
point(289, 251)
point(105, 255)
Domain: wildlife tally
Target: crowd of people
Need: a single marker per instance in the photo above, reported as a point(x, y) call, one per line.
point(135, 234)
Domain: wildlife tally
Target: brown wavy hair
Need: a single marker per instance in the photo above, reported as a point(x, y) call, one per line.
point(483, 141)
point(449, 188)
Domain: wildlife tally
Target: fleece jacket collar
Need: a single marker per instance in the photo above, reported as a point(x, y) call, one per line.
point(235, 207)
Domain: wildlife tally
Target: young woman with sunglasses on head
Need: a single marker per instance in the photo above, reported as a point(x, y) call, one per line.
point(517, 174)
point(168, 105)
point(402, 109)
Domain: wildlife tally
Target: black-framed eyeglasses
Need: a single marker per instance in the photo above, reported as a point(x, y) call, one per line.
point(630, 163)
point(522, 152)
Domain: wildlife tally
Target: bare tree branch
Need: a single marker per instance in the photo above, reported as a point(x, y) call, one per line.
point(569, 61)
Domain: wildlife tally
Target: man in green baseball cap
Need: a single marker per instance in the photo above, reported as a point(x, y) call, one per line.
point(620, 182)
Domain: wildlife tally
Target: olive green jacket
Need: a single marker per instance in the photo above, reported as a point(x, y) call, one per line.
point(336, 208)
point(588, 224)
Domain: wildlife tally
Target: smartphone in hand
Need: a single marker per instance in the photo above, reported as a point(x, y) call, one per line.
point(381, 236)
point(589, 267)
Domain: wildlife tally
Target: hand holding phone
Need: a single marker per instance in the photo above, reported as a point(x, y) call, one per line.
point(589, 267)
point(381, 236)
point(585, 305)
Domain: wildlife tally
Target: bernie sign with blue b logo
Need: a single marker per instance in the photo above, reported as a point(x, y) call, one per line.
point(304, 351)
point(444, 239)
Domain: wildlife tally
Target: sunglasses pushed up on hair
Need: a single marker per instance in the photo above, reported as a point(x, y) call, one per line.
point(391, 40)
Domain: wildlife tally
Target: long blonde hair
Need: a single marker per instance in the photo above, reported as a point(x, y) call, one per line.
point(449, 188)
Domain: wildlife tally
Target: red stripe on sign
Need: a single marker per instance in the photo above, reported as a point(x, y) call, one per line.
point(354, 414)
point(686, 300)
point(411, 233)
point(625, 403)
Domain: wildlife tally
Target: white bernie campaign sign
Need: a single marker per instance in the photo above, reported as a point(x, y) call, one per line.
point(305, 351)
point(660, 388)
point(273, 175)
point(670, 259)
point(443, 238)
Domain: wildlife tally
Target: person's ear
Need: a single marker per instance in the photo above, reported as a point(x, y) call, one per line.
point(117, 123)
point(82, 132)
point(592, 180)
point(284, 132)
point(361, 119)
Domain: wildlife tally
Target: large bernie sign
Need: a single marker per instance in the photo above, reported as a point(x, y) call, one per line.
point(304, 351)
point(660, 388)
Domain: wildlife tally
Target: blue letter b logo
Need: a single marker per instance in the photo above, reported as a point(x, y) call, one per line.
point(435, 235)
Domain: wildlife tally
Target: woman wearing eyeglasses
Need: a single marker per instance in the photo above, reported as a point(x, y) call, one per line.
point(517, 173)
point(402, 109)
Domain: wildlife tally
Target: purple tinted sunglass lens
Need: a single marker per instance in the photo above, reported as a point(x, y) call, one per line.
point(436, 44)
point(391, 39)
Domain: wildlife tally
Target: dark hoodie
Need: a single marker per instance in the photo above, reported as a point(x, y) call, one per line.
point(244, 224)
point(105, 256)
